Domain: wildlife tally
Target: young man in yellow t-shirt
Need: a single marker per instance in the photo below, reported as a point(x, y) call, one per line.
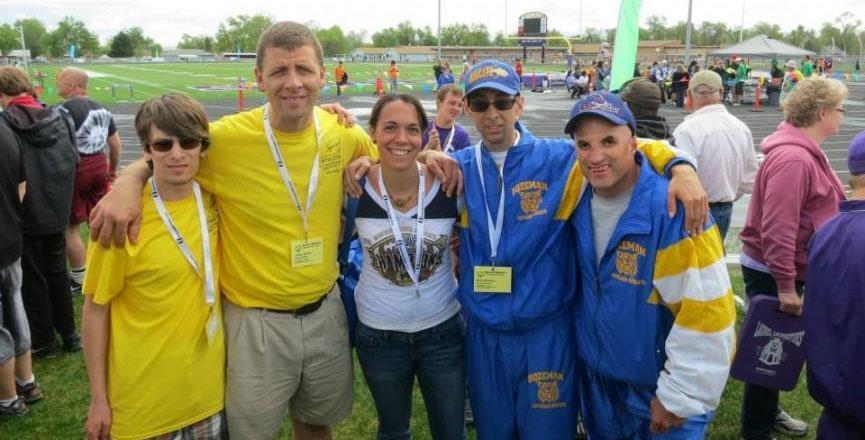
point(152, 321)
point(277, 174)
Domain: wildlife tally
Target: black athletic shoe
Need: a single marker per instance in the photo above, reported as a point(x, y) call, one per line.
point(31, 393)
point(72, 343)
point(74, 288)
point(15, 409)
point(50, 351)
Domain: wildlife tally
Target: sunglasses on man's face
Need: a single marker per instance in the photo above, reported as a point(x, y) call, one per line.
point(480, 106)
point(165, 145)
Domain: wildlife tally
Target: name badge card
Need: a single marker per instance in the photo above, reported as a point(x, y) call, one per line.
point(492, 279)
point(307, 252)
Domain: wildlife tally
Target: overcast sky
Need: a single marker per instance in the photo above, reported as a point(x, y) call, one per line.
point(166, 20)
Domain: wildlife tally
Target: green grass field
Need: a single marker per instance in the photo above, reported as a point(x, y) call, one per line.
point(64, 380)
point(148, 80)
point(152, 79)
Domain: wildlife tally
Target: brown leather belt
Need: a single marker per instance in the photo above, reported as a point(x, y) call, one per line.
point(302, 310)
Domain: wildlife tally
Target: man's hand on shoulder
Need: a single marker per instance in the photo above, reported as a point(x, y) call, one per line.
point(685, 187)
point(343, 116)
point(446, 168)
point(118, 214)
point(355, 171)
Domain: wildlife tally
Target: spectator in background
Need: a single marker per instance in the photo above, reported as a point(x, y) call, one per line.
point(792, 77)
point(833, 311)
point(741, 76)
point(94, 128)
point(437, 70)
point(807, 67)
point(795, 192)
point(581, 85)
point(659, 75)
point(466, 67)
point(47, 136)
point(18, 387)
point(393, 74)
point(446, 76)
point(444, 133)
point(600, 75)
point(644, 99)
point(680, 84)
point(340, 77)
point(722, 145)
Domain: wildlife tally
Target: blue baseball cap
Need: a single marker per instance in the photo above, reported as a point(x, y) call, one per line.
point(493, 74)
point(604, 104)
point(856, 155)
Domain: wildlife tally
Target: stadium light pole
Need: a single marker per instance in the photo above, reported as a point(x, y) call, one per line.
point(688, 35)
point(440, 32)
point(24, 50)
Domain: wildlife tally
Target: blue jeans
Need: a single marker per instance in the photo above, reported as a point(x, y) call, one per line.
point(14, 329)
point(721, 212)
point(390, 360)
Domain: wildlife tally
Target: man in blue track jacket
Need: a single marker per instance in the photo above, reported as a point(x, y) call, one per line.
point(654, 317)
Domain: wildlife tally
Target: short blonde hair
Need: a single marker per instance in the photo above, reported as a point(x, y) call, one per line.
point(811, 95)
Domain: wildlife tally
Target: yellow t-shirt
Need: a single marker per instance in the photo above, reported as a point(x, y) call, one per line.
point(258, 219)
point(162, 374)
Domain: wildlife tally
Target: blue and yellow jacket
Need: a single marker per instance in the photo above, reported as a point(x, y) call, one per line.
point(542, 185)
point(658, 310)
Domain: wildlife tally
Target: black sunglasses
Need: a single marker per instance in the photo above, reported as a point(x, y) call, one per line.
point(164, 145)
point(502, 104)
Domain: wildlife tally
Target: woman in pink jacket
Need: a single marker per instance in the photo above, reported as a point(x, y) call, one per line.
point(794, 193)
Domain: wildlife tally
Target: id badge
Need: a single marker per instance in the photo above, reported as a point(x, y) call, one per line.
point(493, 279)
point(307, 252)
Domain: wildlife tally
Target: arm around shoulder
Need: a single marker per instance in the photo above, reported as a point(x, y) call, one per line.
point(118, 214)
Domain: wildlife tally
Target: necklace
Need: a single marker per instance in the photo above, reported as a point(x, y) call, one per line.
point(400, 202)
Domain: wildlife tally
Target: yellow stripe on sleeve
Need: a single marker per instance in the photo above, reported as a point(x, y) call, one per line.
point(689, 253)
point(658, 153)
point(707, 316)
point(574, 188)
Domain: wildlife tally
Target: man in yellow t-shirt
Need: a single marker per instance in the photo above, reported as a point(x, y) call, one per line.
point(152, 320)
point(277, 174)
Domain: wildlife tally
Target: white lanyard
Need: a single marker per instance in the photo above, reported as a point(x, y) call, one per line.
point(283, 171)
point(494, 230)
point(448, 148)
point(209, 287)
point(414, 273)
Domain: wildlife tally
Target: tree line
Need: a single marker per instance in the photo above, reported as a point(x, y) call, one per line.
point(240, 34)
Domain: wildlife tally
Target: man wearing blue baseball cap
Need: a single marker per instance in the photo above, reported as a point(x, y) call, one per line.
point(832, 312)
point(518, 262)
point(654, 318)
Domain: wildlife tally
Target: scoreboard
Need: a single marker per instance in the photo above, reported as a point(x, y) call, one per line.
point(532, 29)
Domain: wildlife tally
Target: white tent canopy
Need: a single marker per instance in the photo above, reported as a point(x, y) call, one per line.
point(763, 46)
